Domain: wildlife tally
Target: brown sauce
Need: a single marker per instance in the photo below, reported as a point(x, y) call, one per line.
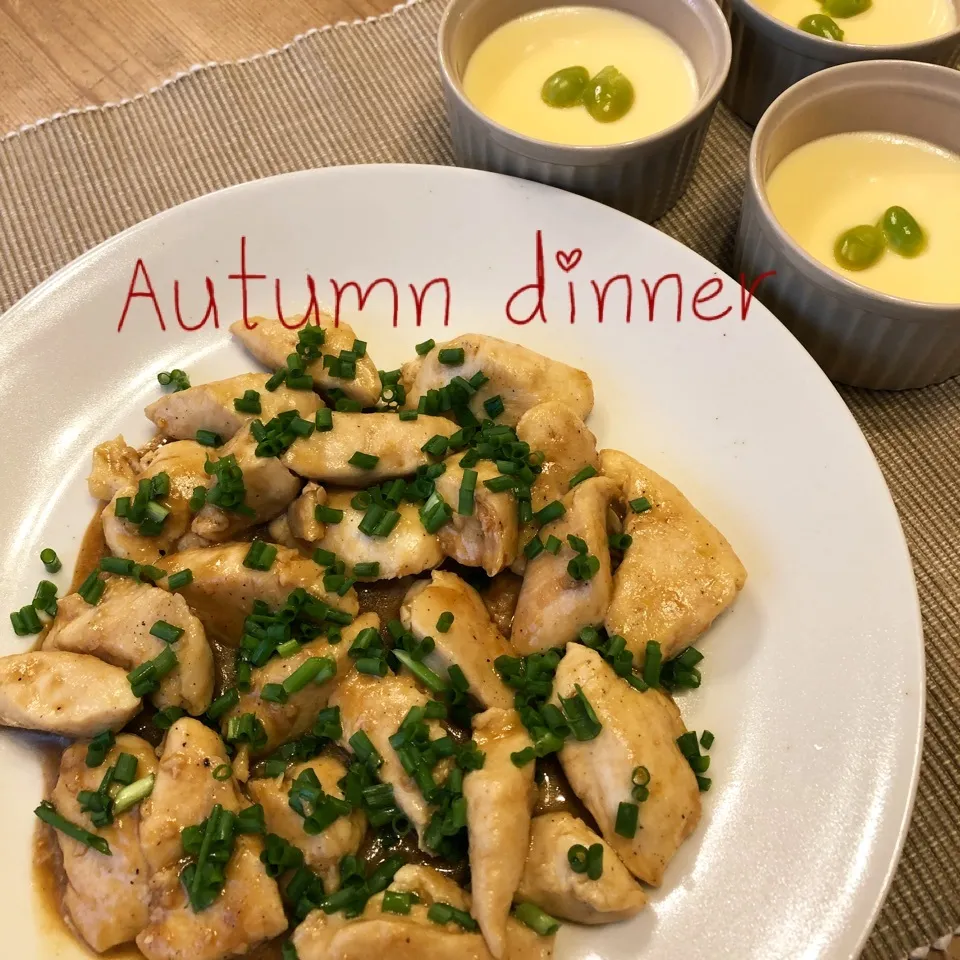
point(93, 548)
point(555, 795)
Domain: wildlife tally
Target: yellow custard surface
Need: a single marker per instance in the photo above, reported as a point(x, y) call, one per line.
point(504, 76)
point(841, 181)
point(887, 21)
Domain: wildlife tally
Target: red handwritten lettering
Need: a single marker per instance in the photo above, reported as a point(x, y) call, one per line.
point(419, 297)
point(652, 294)
point(362, 296)
point(573, 302)
point(211, 307)
point(701, 297)
point(601, 295)
point(538, 287)
point(301, 319)
point(243, 277)
point(746, 294)
point(138, 270)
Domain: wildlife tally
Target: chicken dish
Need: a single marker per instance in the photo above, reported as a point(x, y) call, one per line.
point(369, 663)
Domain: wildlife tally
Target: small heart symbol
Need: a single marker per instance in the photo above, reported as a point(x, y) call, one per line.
point(567, 261)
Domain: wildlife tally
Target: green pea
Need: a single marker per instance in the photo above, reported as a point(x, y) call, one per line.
point(902, 231)
point(845, 8)
point(821, 26)
point(609, 95)
point(565, 87)
point(859, 247)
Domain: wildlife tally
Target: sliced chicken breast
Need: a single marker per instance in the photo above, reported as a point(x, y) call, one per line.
point(550, 883)
point(488, 538)
point(105, 896)
point(500, 798)
point(553, 607)
point(472, 642)
point(287, 721)
point(409, 549)
point(70, 694)
point(323, 851)
point(325, 455)
point(638, 729)
point(222, 591)
point(115, 465)
point(518, 375)
point(209, 406)
point(271, 343)
point(183, 463)
point(270, 488)
point(117, 630)
point(679, 573)
point(378, 706)
point(302, 514)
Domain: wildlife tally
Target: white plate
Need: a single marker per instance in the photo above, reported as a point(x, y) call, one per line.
point(813, 684)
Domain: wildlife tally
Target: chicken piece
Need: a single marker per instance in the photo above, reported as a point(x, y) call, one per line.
point(325, 455)
point(209, 406)
point(270, 488)
point(408, 550)
point(677, 575)
point(553, 607)
point(472, 642)
point(566, 444)
point(500, 798)
point(378, 707)
point(549, 881)
point(115, 465)
point(519, 376)
point(183, 462)
point(302, 514)
point(117, 630)
point(638, 729)
point(70, 694)
point(105, 896)
point(287, 721)
point(489, 537)
point(247, 912)
point(222, 591)
point(321, 851)
point(271, 343)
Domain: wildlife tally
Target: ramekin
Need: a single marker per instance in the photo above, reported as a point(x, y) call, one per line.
point(769, 56)
point(641, 177)
point(859, 336)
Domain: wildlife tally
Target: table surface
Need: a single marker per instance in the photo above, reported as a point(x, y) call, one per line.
point(60, 54)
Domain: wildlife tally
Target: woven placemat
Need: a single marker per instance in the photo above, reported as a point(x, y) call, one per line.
point(369, 92)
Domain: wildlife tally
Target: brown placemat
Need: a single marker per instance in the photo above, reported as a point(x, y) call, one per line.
point(369, 93)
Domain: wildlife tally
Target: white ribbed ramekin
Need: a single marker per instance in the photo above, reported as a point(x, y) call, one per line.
point(859, 336)
point(642, 177)
point(769, 56)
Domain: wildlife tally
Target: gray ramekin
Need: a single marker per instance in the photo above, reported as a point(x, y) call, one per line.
point(641, 177)
point(859, 336)
point(769, 56)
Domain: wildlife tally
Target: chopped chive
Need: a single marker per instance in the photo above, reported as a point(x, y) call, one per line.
point(132, 794)
point(19, 627)
point(207, 438)
point(365, 461)
point(652, 664)
point(165, 719)
point(166, 631)
point(436, 446)
point(626, 823)
point(324, 420)
point(348, 405)
point(424, 674)
point(552, 544)
point(552, 511)
point(317, 669)
point(534, 918)
point(578, 544)
point(174, 378)
point(99, 747)
point(365, 751)
point(619, 541)
point(533, 549)
point(301, 382)
point(424, 348)
point(359, 348)
point(396, 902)
point(223, 704)
point(260, 556)
point(122, 507)
point(640, 505)
point(595, 861)
point(324, 558)
point(197, 499)
point(48, 814)
point(493, 406)
point(274, 693)
point(288, 648)
point(222, 772)
point(445, 621)
point(182, 578)
point(125, 769)
point(361, 500)
point(325, 514)
point(585, 474)
point(370, 569)
point(703, 783)
point(407, 414)
point(451, 356)
point(706, 739)
point(386, 524)
point(577, 858)
point(50, 560)
point(468, 486)
point(91, 590)
point(444, 913)
point(248, 403)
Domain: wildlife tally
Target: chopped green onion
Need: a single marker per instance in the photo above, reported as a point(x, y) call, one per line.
point(451, 356)
point(223, 704)
point(166, 718)
point(260, 556)
point(500, 484)
point(274, 693)
point(166, 631)
point(365, 751)
point(578, 544)
point(125, 769)
point(182, 578)
point(50, 560)
point(585, 474)
point(534, 548)
point(132, 794)
point(365, 461)
point(552, 511)
point(325, 514)
point(370, 569)
point(424, 348)
point(706, 739)
point(207, 438)
point(584, 724)
point(652, 663)
point(99, 747)
point(577, 858)
point(445, 621)
point(222, 772)
point(444, 913)
point(317, 669)
point(640, 505)
point(248, 403)
point(288, 648)
point(493, 406)
point(396, 902)
point(538, 921)
point(619, 541)
point(324, 558)
point(324, 420)
point(48, 814)
point(424, 674)
point(626, 823)
point(197, 499)
point(436, 446)
point(359, 348)
point(468, 487)
point(406, 415)
point(595, 861)
point(583, 567)
point(552, 544)
point(175, 378)
point(91, 589)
